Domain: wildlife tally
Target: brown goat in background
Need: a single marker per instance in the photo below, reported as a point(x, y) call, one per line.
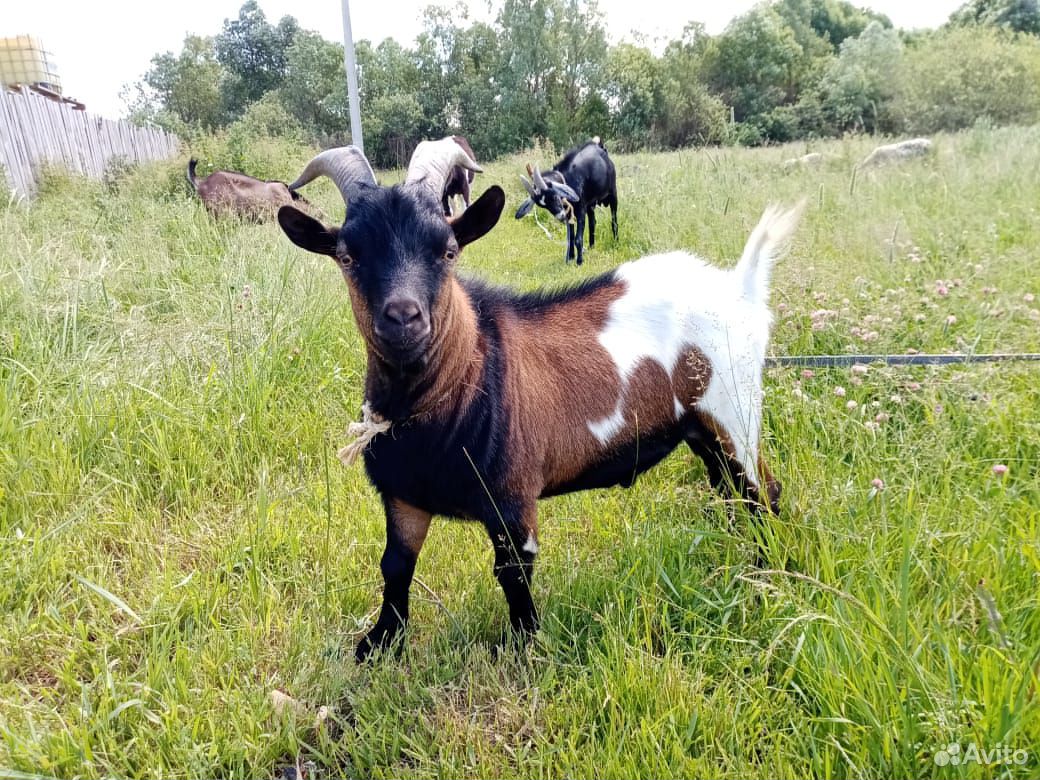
point(228, 193)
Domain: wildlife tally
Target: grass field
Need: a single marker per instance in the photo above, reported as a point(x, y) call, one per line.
point(178, 540)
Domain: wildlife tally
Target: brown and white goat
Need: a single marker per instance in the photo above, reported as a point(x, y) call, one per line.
point(229, 193)
point(447, 165)
point(459, 182)
point(496, 399)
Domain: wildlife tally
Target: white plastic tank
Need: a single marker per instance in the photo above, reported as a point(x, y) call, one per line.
point(23, 60)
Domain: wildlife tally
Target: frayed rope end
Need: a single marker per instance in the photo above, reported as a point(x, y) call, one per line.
point(372, 424)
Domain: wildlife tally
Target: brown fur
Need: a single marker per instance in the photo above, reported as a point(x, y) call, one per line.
point(736, 470)
point(410, 524)
point(560, 378)
point(227, 193)
point(455, 350)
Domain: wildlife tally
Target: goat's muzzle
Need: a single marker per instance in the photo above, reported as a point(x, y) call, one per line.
point(403, 332)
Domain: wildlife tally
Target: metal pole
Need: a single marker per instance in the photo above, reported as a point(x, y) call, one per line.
point(845, 361)
point(352, 88)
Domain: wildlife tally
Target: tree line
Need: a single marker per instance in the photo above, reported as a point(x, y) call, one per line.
point(544, 69)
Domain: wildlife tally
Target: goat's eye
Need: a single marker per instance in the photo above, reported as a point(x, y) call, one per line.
point(345, 259)
point(451, 255)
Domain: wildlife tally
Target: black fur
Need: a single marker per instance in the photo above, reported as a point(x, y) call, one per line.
point(589, 172)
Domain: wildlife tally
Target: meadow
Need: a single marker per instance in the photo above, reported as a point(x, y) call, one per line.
point(178, 540)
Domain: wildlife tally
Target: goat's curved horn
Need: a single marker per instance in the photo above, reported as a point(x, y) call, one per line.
point(433, 161)
point(347, 166)
point(539, 182)
point(528, 186)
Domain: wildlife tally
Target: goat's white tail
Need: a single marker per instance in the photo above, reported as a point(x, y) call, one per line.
point(764, 246)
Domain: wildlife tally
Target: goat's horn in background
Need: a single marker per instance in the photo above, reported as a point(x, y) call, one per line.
point(539, 182)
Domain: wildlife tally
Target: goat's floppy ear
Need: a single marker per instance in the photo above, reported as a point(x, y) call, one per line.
point(525, 208)
point(306, 232)
point(480, 217)
point(566, 190)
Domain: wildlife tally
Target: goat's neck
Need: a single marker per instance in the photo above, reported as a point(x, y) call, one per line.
point(452, 368)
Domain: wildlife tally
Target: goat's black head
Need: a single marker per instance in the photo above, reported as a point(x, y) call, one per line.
point(397, 252)
point(551, 192)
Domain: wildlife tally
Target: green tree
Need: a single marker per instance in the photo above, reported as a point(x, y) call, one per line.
point(187, 86)
point(955, 77)
point(552, 57)
point(469, 71)
point(690, 113)
point(1016, 15)
point(579, 39)
point(832, 21)
point(314, 89)
point(636, 93)
point(393, 129)
point(255, 54)
point(756, 64)
point(393, 117)
point(858, 88)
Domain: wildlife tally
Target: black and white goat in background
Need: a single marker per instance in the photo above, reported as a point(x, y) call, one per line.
point(583, 179)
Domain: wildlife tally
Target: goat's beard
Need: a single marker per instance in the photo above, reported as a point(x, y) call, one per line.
point(404, 362)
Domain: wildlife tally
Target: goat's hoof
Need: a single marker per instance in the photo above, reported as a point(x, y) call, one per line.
point(379, 638)
point(513, 643)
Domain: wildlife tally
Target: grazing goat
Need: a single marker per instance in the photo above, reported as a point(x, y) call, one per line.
point(444, 166)
point(811, 160)
point(583, 179)
point(903, 150)
point(460, 180)
point(480, 400)
point(227, 193)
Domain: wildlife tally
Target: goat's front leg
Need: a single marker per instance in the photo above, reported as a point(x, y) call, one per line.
point(570, 243)
point(515, 538)
point(406, 528)
point(579, 214)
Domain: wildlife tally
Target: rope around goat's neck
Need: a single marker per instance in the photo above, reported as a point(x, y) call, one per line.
point(372, 424)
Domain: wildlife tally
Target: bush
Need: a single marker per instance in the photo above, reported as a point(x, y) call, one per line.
point(780, 125)
point(858, 86)
point(953, 78)
point(744, 134)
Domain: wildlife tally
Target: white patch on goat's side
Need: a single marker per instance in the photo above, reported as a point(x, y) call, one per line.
point(606, 429)
point(672, 303)
point(680, 410)
point(531, 545)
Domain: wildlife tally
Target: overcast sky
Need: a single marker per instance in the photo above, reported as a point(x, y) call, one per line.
point(99, 46)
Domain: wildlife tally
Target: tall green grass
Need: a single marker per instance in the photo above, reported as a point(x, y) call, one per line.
point(177, 538)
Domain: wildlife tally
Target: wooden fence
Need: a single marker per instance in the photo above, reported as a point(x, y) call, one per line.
point(36, 132)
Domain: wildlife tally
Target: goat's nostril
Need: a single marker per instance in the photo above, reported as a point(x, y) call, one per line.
point(403, 311)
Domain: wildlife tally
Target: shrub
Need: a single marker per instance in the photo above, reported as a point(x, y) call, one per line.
point(951, 79)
